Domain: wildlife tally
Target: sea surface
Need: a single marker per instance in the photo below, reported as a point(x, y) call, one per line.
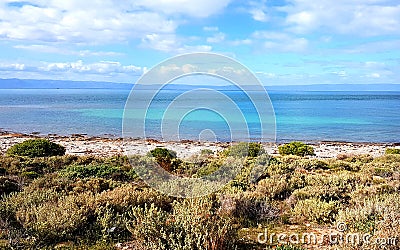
point(308, 116)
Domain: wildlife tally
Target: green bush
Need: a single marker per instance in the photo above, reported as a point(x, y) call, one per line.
point(92, 170)
point(163, 152)
point(166, 158)
point(209, 168)
point(392, 151)
point(207, 152)
point(296, 148)
point(244, 149)
point(36, 148)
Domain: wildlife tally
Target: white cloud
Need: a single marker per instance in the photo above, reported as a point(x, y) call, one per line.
point(354, 17)
point(192, 8)
point(12, 67)
point(241, 42)
point(171, 43)
point(268, 75)
point(280, 42)
point(259, 15)
point(102, 67)
point(258, 10)
point(41, 48)
point(374, 75)
point(216, 38)
point(78, 70)
point(210, 28)
point(94, 22)
point(341, 73)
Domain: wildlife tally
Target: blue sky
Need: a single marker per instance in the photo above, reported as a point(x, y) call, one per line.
point(283, 42)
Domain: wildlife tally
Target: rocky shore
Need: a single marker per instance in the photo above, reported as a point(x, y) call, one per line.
point(100, 146)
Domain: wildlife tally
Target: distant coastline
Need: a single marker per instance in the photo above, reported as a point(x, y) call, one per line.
point(14, 83)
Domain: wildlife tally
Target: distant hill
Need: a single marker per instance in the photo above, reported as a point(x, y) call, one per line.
point(59, 84)
point(336, 87)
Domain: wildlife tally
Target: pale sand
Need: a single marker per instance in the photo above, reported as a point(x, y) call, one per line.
point(82, 145)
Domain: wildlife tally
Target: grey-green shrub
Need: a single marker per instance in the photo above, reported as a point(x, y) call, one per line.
point(244, 149)
point(193, 224)
point(36, 148)
point(296, 148)
point(392, 151)
point(314, 210)
point(92, 170)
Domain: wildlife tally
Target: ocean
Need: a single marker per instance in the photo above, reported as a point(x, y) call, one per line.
point(364, 116)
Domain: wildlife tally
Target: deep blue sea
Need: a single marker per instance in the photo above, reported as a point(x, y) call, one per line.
point(307, 116)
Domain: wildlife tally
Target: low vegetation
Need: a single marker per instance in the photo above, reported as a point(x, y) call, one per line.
point(392, 151)
point(296, 148)
point(71, 202)
point(36, 148)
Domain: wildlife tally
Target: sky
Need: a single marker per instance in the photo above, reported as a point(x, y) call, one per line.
point(282, 42)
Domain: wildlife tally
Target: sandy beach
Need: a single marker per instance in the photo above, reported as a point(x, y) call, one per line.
point(98, 146)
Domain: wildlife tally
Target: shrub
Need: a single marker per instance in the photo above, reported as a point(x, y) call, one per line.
point(315, 210)
point(163, 153)
point(276, 187)
point(30, 175)
point(48, 216)
point(193, 224)
point(60, 219)
point(244, 149)
point(127, 196)
point(209, 168)
point(282, 165)
point(166, 158)
point(8, 186)
point(36, 148)
point(288, 247)
point(392, 151)
point(93, 170)
point(312, 164)
point(384, 166)
point(296, 148)
point(248, 208)
point(340, 165)
point(378, 215)
point(3, 171)
point(330, 187)
point(207, 152)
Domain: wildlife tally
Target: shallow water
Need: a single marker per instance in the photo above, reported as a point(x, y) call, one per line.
point(310, 116)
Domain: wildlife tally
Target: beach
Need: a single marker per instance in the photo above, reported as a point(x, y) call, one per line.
point(105, 147)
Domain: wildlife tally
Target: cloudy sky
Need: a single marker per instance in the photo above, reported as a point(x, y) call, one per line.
point(283, 42)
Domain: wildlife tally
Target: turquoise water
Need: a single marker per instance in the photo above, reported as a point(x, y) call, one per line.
point(310, 116)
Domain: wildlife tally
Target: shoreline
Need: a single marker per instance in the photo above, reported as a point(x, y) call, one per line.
point(6, 133)
point(82, 144)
